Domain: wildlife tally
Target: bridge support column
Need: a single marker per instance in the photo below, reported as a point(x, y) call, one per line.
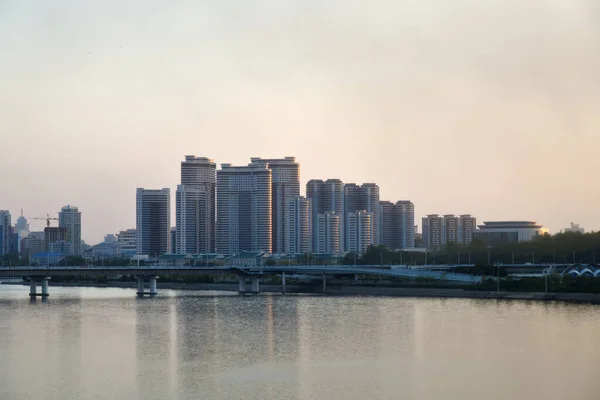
point(324, 283)
point(45, 287)
point(32, 288)
point(242, 284)
point(140, 286)
point(283, 282)
point(153, 286)
point(256, 285)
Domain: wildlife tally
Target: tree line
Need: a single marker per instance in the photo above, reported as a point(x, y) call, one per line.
point(561, 248)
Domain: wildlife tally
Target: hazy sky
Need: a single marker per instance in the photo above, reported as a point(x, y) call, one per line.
point(488, 107)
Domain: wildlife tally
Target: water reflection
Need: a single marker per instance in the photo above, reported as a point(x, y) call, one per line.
point(105, 343)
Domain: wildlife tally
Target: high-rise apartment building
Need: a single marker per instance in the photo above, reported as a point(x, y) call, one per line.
point(285, 187)
point(365, 198)
point(195, 207)
point(359, 230)
point(397, 224)
point(467, 225)
point(328, 233)
point(69, 218)
point(432, 231)
point(244, 209)
point(449, 229)
point(153, 221)
point(326, 197)
point(441, 230)
point(299, 226)
point(5, 232)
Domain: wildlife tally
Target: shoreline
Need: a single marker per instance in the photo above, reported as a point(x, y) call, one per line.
point(589, 298)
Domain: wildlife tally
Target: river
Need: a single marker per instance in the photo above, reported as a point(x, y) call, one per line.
point(92, 343)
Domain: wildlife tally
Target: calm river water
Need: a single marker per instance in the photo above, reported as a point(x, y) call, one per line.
point(88, 343)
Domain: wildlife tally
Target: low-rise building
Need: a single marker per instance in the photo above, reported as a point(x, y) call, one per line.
point(494, 233)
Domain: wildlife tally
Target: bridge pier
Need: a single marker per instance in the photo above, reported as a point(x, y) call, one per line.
point(45, 287)
point(153, 286)
point(140, 286)
point(283, 282)
point(255, 285)
point(33, 287)
point(324, 282)
point(152, 283)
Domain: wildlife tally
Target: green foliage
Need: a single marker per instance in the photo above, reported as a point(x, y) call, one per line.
point(562, 248)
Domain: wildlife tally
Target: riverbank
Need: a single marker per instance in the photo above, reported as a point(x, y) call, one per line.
point(359, 290)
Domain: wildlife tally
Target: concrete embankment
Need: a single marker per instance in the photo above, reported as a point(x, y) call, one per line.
point(360, 290)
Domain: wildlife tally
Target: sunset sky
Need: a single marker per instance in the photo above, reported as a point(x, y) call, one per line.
point(468, 106)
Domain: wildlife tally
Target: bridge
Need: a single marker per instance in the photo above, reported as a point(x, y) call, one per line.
point(147, 276)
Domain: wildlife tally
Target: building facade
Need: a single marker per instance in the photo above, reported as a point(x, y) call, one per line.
point(5, 232)
point(326, 197)
point(195, 207)
point(285, 186)
point(244, 208)
point(127, 242)
point(69, 218)
point(328, 233)
point(397, 224)
point(359, 230)
point(153, 221)
point(467, 225)
point(299, 227)
point(54, 234)
point(362, 198)
point(494, 233)
point(21, 225)
point(441, 230)
point(32, 244)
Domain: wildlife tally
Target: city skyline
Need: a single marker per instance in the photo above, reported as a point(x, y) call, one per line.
point(304, 183)
point(419, 97)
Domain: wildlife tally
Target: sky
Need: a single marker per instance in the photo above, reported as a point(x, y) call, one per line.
point(487, 107)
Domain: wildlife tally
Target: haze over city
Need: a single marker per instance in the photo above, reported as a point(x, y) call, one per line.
point(460, 107)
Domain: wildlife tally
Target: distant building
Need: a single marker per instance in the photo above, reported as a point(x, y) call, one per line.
point(5, 232)
point(574, 228)
point(153, 221)
point(441, 230)
point(54, 234)
point(299, 227)
point(397, 224)
point(21, 225)
point(127, 241)
point(61, 247)
point(69, 218)
point(32, 244)
point(493, 233)
point(174, 241)
point(328, 233)
point(362, 198)
point(106, 250)
point(285, 186)
point(47, 258)
point(359, 230)
point(326, 197)
point(110, 238)
point(195, 207)
point(244, 211)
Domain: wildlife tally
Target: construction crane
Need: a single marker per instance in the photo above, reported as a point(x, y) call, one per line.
point(47, 218)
